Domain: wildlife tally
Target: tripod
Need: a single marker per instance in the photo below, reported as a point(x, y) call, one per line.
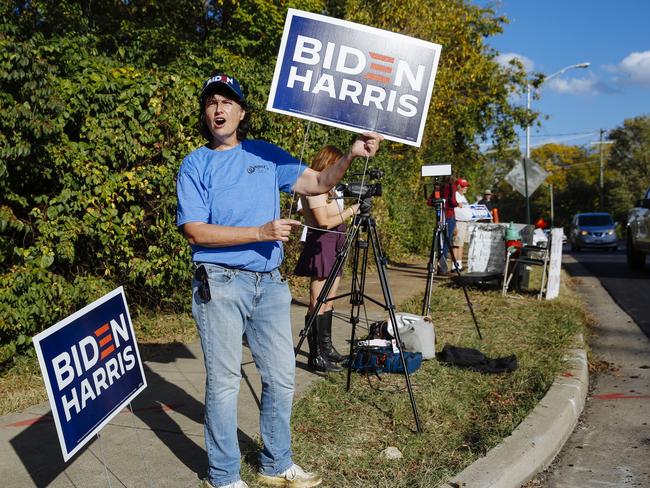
point(363, 222)
point(440, 238)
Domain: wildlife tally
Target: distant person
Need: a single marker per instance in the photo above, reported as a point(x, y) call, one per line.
point(317, 260)
point(463, 216)
point(448, 195)
point(487, 200)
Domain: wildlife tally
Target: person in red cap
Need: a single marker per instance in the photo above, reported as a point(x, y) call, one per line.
point(229, 210)
point(463, 217)
point(448, 194)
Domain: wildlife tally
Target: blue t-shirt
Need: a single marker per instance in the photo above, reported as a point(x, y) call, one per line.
point(237, 187)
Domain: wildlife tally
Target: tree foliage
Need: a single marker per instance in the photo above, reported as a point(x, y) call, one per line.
point(628, 165)
point(98, 106)
point(575, 176)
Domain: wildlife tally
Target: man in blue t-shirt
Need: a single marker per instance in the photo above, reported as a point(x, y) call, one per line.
point(229, 211)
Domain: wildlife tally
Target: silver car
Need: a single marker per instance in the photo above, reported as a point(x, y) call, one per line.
point(596, 229)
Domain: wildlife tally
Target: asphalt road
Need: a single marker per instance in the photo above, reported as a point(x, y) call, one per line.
point(630, 289)
point(610, 447)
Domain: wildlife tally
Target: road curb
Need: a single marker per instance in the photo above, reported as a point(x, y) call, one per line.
point(539, 438)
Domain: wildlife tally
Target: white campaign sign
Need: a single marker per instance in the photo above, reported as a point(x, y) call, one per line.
point(555, 265)
point(486, 249)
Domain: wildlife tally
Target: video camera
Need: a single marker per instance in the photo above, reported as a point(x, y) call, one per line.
point(355, 189)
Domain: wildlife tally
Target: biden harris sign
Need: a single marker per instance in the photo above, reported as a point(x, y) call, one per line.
point(354, 77)
point(91, 367)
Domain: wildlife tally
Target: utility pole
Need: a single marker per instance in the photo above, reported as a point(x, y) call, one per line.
point(528, 96)
point(601, 157)
point(602, 179)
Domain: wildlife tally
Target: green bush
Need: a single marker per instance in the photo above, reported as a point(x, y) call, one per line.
point(34, 298)
point(97, 112)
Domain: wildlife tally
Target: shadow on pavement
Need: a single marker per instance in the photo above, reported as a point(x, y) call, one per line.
point(38, 447)
point(629, 288)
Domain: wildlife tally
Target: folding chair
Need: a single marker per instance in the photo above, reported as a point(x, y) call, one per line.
point(526, 256)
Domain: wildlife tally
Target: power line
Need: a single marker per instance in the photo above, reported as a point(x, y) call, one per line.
point(566, 134)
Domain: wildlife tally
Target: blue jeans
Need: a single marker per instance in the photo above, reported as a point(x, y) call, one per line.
point(451, 226)
point(255, 304)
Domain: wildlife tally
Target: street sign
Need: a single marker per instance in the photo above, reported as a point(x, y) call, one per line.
point(91, 367)
point(354, 77)
point(534, 173)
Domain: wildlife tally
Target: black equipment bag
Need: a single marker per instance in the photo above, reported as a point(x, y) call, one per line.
point(474, 359)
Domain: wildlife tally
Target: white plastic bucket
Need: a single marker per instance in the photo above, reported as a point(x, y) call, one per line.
point(417, 334)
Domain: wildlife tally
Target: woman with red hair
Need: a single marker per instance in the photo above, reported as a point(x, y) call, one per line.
point(325, 218)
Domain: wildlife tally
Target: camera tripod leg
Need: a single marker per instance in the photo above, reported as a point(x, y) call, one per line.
point(380, 261)
point(469, 302)
point(357, 290)
point(431, 269)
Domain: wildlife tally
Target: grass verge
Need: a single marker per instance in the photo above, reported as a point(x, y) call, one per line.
point(463, 413)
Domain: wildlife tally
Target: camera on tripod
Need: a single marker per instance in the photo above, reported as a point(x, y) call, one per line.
point(434, 196)
point(362, 191)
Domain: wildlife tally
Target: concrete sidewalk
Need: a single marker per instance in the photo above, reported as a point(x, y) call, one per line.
point(162, 444)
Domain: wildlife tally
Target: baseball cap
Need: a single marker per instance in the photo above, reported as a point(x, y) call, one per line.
point(228, 82)
point(462, 182)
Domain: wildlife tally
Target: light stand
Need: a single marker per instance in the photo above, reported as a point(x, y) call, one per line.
point(438, 240)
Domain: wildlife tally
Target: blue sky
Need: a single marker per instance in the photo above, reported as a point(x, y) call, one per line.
point(548, 35)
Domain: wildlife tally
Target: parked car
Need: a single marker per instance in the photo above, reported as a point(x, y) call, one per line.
point(595, 229)
point(637, 233)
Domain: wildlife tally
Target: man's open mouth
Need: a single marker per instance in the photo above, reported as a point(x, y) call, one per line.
point(219, 122)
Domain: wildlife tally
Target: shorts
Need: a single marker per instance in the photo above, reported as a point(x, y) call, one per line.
point(463, 233)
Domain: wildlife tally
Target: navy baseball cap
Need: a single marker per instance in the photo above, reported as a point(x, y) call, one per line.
point(228, 82)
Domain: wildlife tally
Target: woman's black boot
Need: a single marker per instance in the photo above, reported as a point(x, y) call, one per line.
point(317, 360)
point(325, 329)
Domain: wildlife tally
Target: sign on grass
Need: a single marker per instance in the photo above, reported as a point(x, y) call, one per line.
point(354, 77)
point(91, 367)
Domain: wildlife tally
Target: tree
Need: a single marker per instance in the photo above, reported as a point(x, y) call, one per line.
point(629, 163)
point(98, 106)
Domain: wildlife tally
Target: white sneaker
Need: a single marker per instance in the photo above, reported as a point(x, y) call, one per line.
point(294, 477)
point(235, 484)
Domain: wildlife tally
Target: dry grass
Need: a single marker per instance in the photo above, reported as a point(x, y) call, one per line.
point(21, 386)
point(463, 413)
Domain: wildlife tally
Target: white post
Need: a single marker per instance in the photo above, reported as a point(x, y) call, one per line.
point(552, 210)
point(526, 195)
